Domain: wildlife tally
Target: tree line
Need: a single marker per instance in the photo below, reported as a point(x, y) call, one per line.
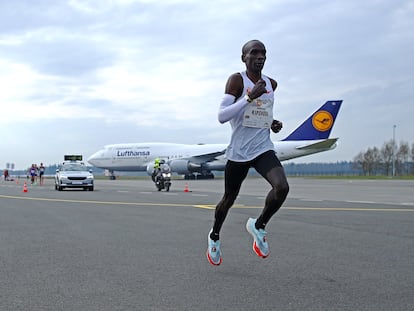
point(390, 160)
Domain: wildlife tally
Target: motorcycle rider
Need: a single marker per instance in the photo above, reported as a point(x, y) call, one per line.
point(157, 169)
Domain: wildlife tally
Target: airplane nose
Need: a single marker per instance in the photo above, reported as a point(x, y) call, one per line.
point(92, 158)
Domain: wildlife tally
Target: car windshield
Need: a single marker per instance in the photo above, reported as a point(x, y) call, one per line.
point(73, 167)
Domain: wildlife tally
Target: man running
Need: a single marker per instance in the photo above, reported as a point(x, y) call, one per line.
point(248, 106)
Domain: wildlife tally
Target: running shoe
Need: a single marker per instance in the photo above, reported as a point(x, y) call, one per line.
point(260, 245)
point(213, 251)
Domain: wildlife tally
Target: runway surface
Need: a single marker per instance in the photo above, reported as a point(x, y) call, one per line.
point(335, 245)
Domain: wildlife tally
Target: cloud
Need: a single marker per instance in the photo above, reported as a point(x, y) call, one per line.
point(76, 75)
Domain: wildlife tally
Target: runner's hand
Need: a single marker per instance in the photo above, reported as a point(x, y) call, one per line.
point(258, 90)
point(276, 126)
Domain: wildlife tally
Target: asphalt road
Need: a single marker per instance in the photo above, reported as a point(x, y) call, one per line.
point(335, 245)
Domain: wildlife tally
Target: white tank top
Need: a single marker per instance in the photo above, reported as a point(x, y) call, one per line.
point(249, 142)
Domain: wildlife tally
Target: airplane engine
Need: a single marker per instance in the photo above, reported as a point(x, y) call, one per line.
point(184, 167)
point(215, 166)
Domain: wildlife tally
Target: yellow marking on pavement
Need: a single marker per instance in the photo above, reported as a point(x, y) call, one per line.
point(210, 206)
point(205, 206)
point(92, 202)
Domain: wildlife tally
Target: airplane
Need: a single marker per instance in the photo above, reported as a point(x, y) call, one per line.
point(197, 161)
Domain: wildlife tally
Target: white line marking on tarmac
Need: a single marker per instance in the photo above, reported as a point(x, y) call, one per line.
point(364, 202)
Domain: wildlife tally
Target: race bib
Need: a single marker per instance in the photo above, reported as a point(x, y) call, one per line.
point(259, 113)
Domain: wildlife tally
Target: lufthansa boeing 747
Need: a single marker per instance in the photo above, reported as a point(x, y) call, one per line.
point(198, 161)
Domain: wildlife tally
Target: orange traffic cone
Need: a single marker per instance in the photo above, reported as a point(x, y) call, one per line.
point(186, 188)
point(24, 187)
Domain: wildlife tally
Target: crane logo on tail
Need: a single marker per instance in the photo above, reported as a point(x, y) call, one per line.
point(322, 120)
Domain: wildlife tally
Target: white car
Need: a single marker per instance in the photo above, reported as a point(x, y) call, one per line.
point(74, 174)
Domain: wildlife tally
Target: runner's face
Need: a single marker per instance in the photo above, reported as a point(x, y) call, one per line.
point(255, 56)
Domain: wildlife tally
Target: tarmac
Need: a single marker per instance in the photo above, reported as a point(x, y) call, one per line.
point(335, 245)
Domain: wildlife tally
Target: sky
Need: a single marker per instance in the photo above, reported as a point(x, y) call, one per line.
point(76, 75)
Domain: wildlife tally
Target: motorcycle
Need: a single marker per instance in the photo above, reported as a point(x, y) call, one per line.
point(162, 178)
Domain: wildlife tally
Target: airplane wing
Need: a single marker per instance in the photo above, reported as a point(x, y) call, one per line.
point(203, 158)
point(326, 144)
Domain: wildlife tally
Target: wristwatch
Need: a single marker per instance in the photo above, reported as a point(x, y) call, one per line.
point(247, 97)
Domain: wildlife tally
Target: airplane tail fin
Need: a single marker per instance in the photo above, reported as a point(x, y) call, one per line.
point(319, 124)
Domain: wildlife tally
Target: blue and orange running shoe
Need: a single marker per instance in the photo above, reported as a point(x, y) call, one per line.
point(213, 251)
point(260, 245)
